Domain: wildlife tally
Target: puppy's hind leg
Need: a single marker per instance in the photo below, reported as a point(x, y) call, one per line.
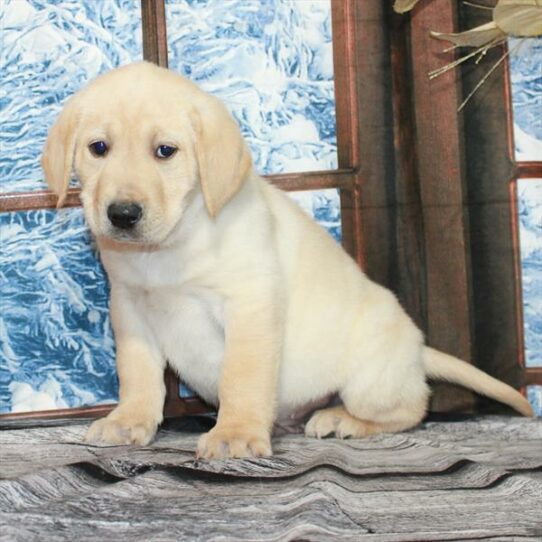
point(339, 422)
point(386, 395)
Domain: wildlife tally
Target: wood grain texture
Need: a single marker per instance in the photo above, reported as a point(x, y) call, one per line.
point(473, 479)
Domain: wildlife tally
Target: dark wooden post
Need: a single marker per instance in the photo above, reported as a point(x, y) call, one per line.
point(346, 107)
point(409, 273)
point(376, 167)
point(490, 172)
point(153, 14)
point(438, 133)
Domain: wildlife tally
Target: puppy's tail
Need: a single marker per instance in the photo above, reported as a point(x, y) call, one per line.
point(441, 366)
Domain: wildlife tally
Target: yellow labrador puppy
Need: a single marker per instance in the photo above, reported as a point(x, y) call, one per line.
point(218, 273)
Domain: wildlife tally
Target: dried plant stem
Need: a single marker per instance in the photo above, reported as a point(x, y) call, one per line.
point(479, 51)
point(486, 76)
point(473, 5)
point(495, 43)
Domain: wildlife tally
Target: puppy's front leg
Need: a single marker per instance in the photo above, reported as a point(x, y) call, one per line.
point(140, 368)
point(248, 384)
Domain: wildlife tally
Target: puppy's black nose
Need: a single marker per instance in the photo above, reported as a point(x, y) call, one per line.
point(124, 215)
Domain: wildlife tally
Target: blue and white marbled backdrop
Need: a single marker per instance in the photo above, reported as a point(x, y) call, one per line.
point(55, 340)
point(526, 82)
point(271, 62)
point(529, 193)
point(534, 394)
point(48, 50)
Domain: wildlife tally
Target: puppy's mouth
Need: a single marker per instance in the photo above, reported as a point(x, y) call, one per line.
point(132, 237)
point(143, 235)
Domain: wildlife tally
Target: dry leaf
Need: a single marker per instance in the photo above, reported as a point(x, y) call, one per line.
point(519, 17)
point(476, 37)
point(402, 6)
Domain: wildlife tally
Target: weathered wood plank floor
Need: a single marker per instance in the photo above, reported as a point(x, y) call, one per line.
point(478, 479)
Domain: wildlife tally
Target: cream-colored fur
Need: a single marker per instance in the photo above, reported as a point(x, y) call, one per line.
point(255, 306)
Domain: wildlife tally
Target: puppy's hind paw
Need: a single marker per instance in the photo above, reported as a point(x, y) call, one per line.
point(339, 422)
point(323, 423)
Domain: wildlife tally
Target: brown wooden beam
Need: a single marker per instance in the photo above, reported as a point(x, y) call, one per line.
point(61, 413)
point(344, 30)
point(153, 14)
point(184, 406)
point(443, 194)
point(526, 170)
point(375, 214)
point(176, 406)
point(343, 16)
point(37, 199)
point(409, 281)
point(514, 291)
point(533, 376)
point(490, 170)
point(316, 180)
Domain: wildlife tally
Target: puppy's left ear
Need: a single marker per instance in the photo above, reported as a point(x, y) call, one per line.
point(57, 157)
point(223, 157)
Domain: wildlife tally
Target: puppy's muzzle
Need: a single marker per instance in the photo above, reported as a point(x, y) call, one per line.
point(124, 215)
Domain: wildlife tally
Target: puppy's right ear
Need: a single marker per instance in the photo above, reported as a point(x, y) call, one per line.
point(57, 157)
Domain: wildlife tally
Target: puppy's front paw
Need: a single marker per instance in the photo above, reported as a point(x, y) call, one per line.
point(234, 441)
point(121, 428)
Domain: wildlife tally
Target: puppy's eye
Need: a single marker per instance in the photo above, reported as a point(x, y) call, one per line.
point(165, 151)
point(98, 148)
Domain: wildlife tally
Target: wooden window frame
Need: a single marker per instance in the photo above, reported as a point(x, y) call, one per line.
point(524, 170)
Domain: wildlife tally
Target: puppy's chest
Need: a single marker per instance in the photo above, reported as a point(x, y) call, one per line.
point(188, 325)
point(181, 306)
point(183, 313)
point(177, 300)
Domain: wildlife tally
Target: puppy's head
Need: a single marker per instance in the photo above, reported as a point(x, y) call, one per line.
point(142, 141)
